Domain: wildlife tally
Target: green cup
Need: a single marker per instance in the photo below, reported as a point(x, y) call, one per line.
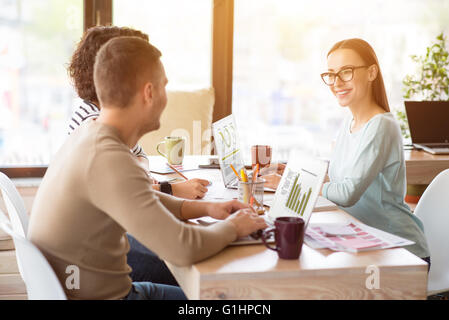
point(174, 147)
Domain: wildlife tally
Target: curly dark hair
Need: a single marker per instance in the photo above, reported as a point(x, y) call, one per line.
point(81, 67)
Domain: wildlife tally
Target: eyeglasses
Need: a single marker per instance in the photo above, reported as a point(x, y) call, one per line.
point(345, 75)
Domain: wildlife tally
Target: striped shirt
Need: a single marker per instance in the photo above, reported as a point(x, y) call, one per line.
point(88, 110)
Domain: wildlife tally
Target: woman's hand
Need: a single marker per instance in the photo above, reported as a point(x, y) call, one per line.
point(222, 210)
point(272, 180)
point(273, 168)
point(190, 189)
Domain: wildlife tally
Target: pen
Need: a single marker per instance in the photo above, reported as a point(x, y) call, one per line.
point(174, 169)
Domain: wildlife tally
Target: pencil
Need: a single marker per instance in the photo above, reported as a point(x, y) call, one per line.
point(243, 175)
point(235, 171)
point(253, 180)
point(174, 169)
point(255, 172)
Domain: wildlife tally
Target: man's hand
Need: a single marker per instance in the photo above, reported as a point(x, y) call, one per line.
point(190, 189)
point(222, 210)
point(246, 221)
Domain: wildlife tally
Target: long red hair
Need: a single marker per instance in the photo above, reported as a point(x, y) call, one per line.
point(366, 52)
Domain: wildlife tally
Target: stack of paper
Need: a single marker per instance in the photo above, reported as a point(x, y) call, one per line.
point(351, 237)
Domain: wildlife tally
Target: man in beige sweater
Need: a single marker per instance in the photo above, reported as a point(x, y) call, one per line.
point(94, 190)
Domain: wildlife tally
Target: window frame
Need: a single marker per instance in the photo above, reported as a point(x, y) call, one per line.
point(99, 12)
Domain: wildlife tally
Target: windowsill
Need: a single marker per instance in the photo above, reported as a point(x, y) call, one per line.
point(37, 171)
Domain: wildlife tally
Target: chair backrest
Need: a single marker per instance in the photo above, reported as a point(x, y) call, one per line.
point(40, 279)
point(15, 205)
point(433, 210)
point(188, 114)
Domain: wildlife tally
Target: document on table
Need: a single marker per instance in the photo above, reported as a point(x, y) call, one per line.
point(351, 237)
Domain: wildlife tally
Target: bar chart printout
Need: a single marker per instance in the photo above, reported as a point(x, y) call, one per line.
point(299, 187)
point(298, 197)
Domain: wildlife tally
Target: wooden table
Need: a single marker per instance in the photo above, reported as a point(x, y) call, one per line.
point(255, 272)
point(422, 167)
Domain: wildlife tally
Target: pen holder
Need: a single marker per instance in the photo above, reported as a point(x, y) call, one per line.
point(252, 193)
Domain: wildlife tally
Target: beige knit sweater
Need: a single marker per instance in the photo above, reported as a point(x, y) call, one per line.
point(94, 192)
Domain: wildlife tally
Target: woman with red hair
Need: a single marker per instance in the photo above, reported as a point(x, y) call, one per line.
point(367, 167)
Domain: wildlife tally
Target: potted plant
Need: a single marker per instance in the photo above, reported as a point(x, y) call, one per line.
point(429, 83)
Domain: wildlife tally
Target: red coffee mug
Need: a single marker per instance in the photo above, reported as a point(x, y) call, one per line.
point(261, 155)
point(289, 237)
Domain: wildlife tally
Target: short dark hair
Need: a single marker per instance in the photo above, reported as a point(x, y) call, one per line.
point(81, 66)
point(366, 52)
point(121, 66)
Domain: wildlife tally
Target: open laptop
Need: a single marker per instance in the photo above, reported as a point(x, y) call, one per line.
point(428, 122)
point(297, 193)
point(299, 188)
point(228, 150)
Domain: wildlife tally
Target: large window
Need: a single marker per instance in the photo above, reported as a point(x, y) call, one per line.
point(37, 38)
point(280, 49)
point(181, 29)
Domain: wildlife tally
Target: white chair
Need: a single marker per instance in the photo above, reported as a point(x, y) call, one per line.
point(40, 279)
point(15, 205)
point(16, 211)
point(433, 210)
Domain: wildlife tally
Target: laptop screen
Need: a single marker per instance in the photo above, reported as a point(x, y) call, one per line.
point(299, 188)
point(428, 121)
point(227, 147)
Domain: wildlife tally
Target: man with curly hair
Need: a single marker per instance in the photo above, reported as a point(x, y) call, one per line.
point(81, 72)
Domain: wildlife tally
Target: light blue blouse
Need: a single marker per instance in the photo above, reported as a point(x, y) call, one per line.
point(367, 179)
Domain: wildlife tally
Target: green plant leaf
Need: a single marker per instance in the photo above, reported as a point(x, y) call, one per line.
point(432, 80)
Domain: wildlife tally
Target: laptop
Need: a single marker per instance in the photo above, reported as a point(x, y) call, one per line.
point(297, 193)
point(428, 122)
point(228, 150)
point(299, 188)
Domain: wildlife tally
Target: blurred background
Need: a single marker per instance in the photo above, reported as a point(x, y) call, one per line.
point(280, 49)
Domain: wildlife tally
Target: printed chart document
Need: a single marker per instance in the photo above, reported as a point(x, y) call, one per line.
point(351, 237)
point(322, 204)
point(299, 188)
